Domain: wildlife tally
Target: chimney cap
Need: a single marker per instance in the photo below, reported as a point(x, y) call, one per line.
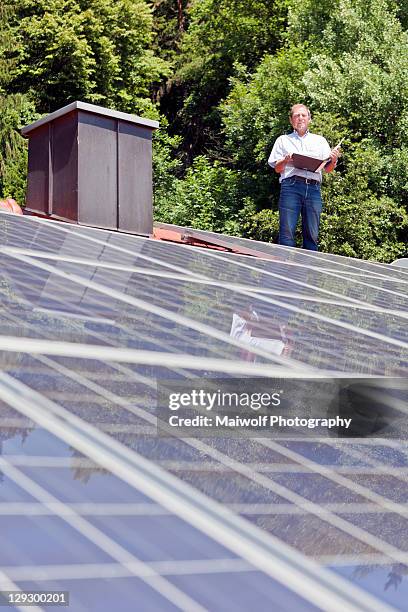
point(90, 108)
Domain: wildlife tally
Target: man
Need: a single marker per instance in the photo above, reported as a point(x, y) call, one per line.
point(300, 189)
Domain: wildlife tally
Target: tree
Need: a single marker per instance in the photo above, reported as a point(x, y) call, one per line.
point(220, 32)
point(207, 198)
point(15, 111)
point(169, 24)
point(92, 50)
point(57, 51)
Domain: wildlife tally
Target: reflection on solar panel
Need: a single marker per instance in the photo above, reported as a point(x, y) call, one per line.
point(94, 502)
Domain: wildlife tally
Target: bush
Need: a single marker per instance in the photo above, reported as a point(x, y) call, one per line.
point(207, 198)
point(15, 112)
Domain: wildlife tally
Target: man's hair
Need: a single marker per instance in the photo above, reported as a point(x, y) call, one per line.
point(304, 106)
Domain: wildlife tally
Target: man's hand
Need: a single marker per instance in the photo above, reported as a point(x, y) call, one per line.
point(282, 163)
point(334, 156)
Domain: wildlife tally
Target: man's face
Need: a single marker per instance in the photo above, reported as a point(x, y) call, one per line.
point(300, 119)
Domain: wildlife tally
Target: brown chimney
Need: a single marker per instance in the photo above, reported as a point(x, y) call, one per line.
point(93, 166)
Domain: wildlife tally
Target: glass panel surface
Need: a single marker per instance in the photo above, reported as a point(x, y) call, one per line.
point(87, 485)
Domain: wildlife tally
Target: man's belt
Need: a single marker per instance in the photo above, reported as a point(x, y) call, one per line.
point(302, 179)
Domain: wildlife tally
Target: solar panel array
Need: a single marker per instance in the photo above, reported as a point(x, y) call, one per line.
point(94, 502)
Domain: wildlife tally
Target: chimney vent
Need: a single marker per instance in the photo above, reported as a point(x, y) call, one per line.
point(93, 166)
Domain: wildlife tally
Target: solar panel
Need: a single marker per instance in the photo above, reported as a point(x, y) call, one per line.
point(96, 503)
point(288, 254)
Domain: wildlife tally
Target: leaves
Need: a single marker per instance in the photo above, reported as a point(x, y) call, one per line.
point(91, 50)
point(207, 198)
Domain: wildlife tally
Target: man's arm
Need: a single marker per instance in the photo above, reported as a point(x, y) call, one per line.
point(279, 156)
point(282, 163)
point(334, 156)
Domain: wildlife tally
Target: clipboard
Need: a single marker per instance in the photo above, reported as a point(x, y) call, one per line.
point(312, 164)
point(305, 162)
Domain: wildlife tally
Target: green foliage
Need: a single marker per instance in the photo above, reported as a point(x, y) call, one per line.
point(169, 23)
point(55, 51)
point(255, 114)
point(221, 33)
point(256, 111)
point(207, 198)
point(166, 169)
point(359, 65)
point(262, 225)
point(344, 26)
point(15, 111)
point(397, 173)
point(367, 228)
point(91, 50)
point(224, 31)
point(360, 219)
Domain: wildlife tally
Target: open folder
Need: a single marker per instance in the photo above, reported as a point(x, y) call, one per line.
point(313, 164)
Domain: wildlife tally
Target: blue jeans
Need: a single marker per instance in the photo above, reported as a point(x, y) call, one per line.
point(298, 198)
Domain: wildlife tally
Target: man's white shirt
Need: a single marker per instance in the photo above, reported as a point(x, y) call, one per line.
point(309, 144)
